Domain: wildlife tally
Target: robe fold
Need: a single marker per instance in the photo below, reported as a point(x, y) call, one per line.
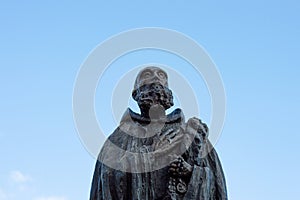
point(138, 168)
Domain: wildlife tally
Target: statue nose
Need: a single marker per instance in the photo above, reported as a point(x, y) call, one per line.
point(156, 78)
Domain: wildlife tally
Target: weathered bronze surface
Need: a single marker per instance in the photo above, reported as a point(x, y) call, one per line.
point(171, 159)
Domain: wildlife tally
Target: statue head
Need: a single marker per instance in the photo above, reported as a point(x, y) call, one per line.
point(151, 88)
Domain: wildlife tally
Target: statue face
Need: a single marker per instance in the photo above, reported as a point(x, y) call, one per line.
point(151, 75)
point(151, 88)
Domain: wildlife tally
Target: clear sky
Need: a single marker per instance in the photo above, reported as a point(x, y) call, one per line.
point(255, 45)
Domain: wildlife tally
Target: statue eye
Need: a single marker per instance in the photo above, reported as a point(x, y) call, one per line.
point(162, 75)
point(147, 74)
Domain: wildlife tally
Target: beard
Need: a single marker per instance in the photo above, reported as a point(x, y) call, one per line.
point(153, 94)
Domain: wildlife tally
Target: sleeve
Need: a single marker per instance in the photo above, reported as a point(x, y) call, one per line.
point(108, 184)
point(207, 180)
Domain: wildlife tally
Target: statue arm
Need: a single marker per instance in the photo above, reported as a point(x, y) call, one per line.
point(108, 183)
point(96, 193)
point(207, 179)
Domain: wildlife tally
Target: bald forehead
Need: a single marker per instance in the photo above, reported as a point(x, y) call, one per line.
point(151, 75)
point(152, 70)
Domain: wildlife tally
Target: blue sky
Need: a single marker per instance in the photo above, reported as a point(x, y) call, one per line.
point(255, 45)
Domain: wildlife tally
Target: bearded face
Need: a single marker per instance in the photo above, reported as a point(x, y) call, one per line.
point(153, 94)
point(151, 88)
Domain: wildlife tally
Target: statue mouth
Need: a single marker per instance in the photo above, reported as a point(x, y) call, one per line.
point(148, 100)
point(153, 94)
point(152, 103)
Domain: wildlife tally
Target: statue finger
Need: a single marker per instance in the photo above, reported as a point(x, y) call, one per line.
point(174, 165)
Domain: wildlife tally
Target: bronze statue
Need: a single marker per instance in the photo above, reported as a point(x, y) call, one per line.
point(161, 156)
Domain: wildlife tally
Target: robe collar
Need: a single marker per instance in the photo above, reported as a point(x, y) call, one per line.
point(174, 117)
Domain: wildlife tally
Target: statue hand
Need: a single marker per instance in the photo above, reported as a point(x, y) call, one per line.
point(180, 167)
point(195, 124)
point(169, 135)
